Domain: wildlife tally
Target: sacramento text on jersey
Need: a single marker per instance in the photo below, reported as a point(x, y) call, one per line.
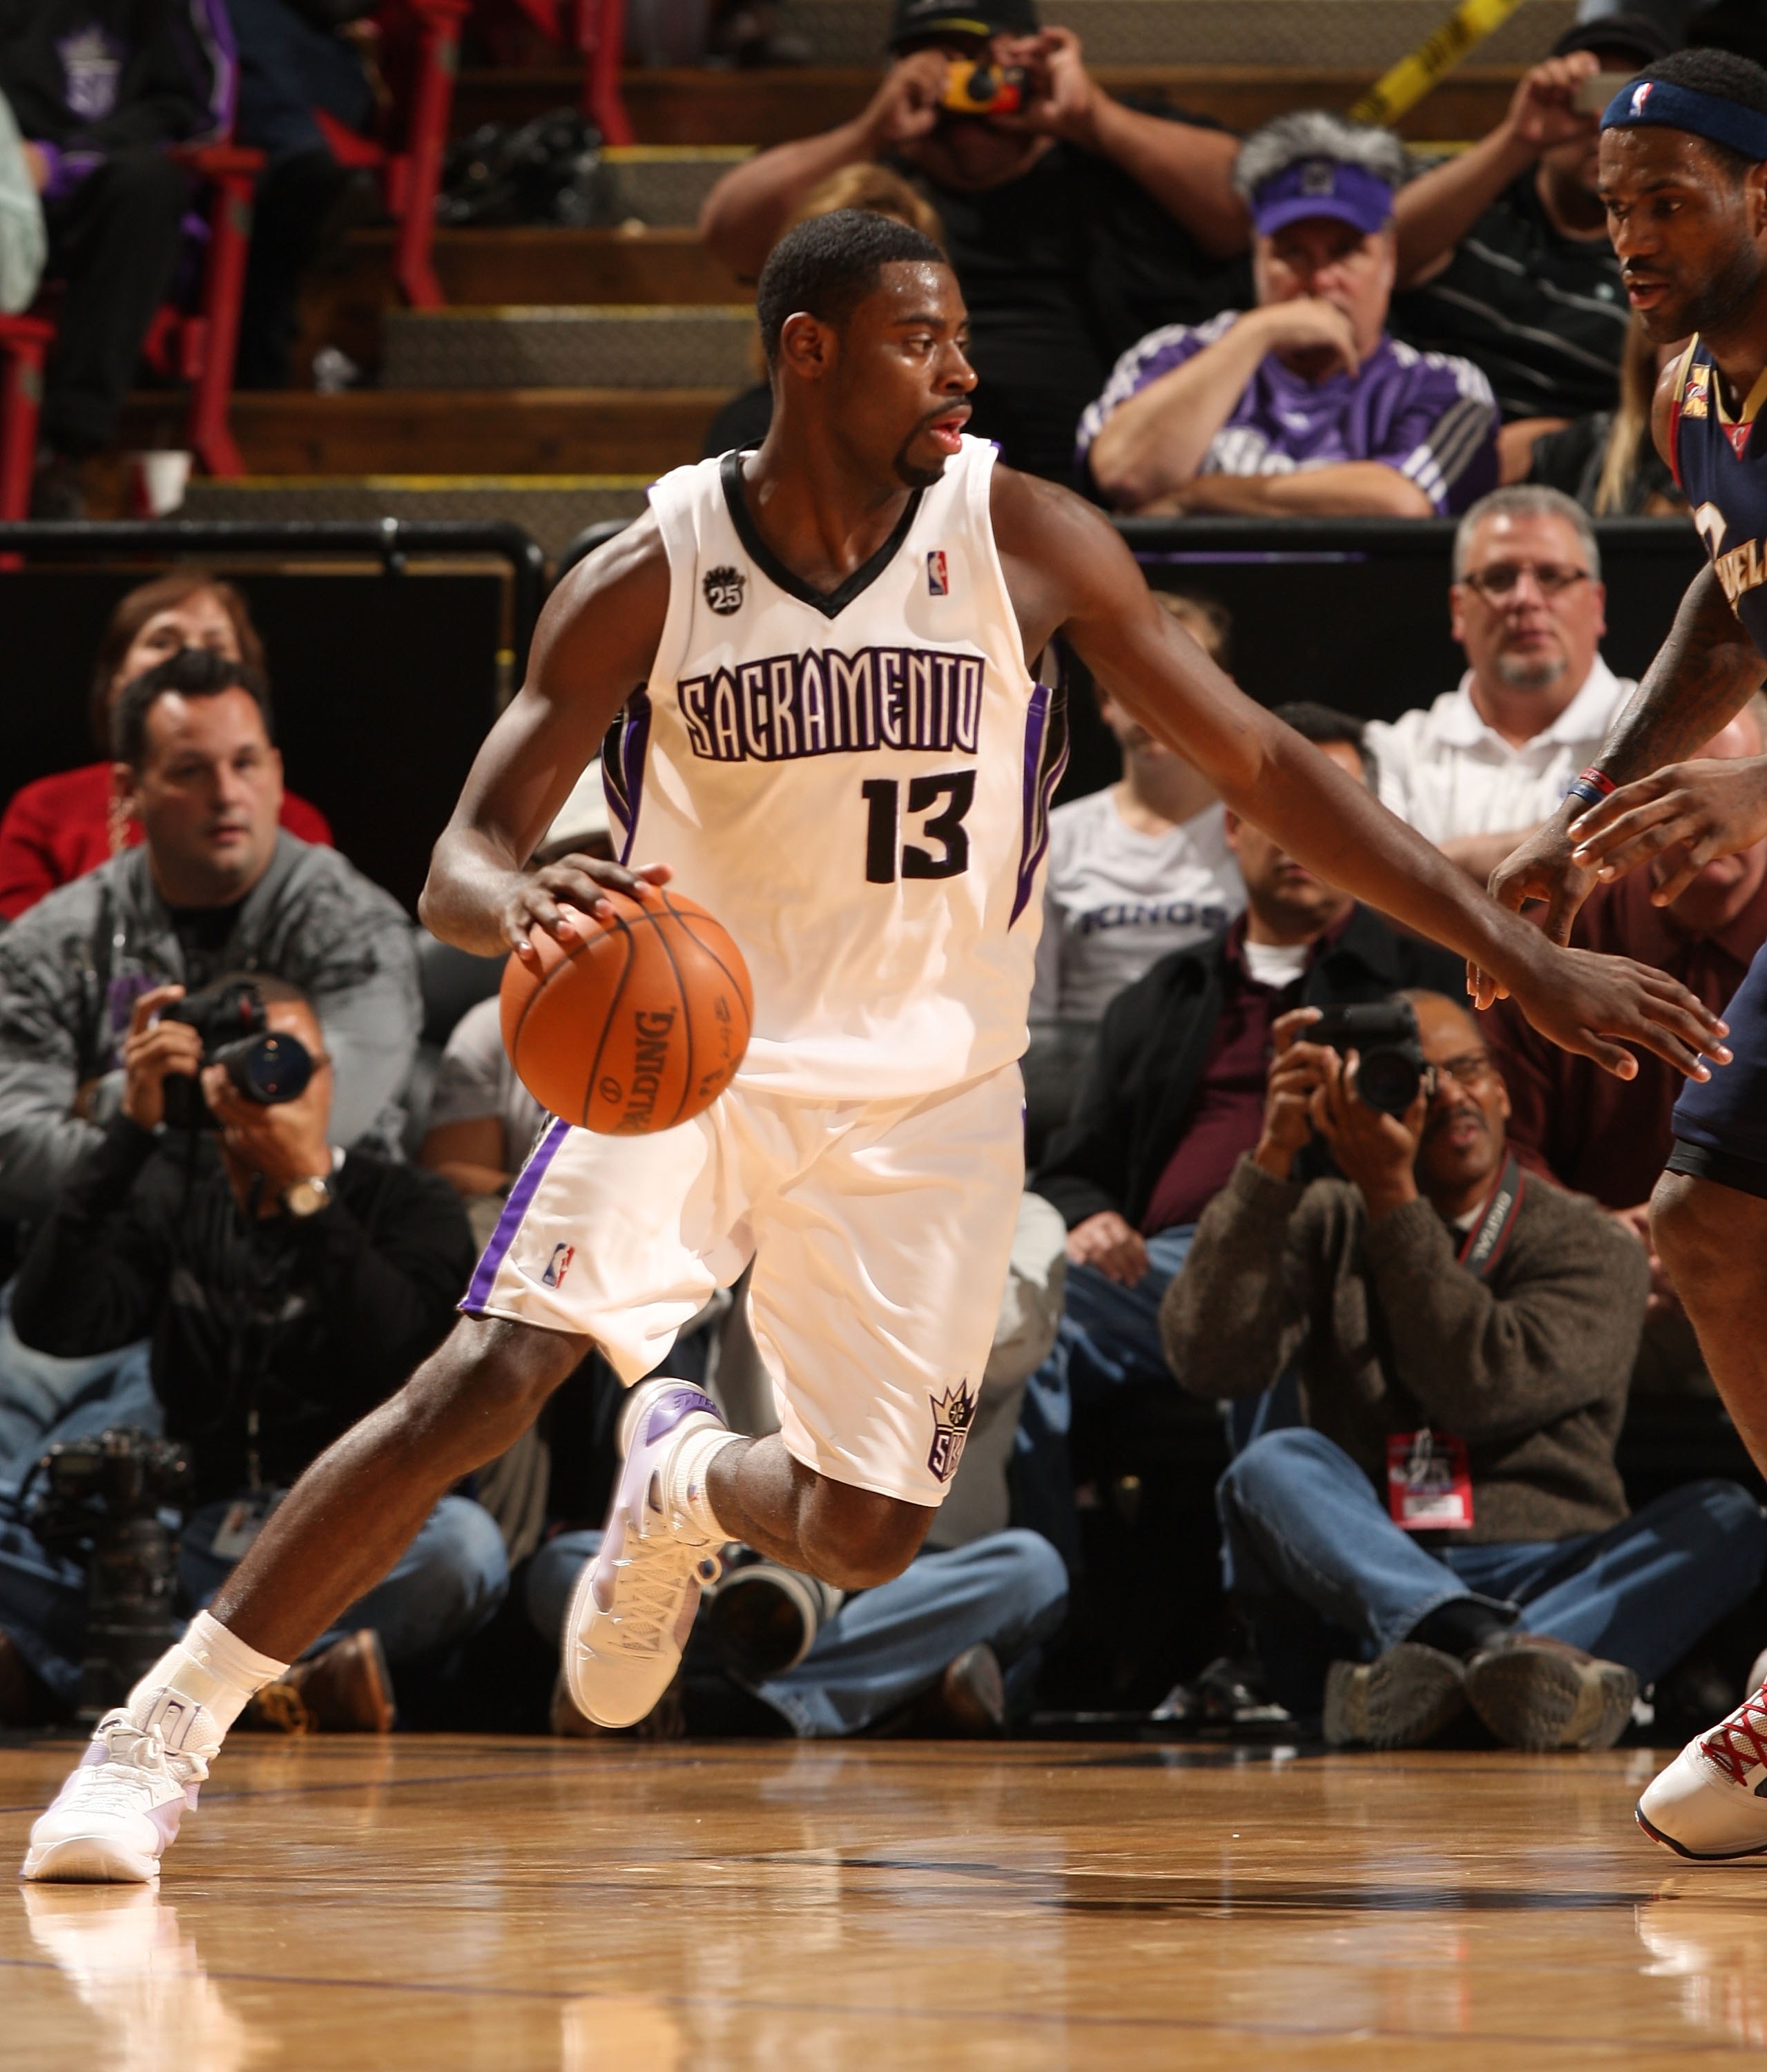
point(786, 706)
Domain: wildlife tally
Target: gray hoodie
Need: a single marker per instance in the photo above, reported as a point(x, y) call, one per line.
point(71, 968)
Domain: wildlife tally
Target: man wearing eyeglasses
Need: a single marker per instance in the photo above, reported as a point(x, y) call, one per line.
point(1480, 768)
point(1449, 1528)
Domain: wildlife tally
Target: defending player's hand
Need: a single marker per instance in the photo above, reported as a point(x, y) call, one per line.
point(558, 895)
point(1593, 1005)
point(1542, 868)
point(1707, 809)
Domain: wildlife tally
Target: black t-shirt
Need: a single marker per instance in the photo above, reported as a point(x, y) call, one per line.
point(203, 933)
point(1543, 314)
point(1063, 269)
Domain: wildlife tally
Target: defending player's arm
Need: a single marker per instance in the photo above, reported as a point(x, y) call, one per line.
point(1070, 572)
point(596, 640)
point(1703, 676)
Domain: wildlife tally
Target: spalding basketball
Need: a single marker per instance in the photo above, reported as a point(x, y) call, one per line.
point(640, 1026)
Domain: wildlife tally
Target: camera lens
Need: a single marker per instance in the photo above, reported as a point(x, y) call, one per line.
point(1388, 1080)
point(268, 1069)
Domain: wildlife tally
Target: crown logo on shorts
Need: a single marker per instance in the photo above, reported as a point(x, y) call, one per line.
point(953, 1414)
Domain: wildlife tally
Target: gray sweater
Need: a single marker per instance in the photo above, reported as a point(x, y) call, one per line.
point(72, 966)
point(1390, 1332)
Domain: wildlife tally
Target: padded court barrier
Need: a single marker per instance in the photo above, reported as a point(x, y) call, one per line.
point(390, 648)
point(1352, 612)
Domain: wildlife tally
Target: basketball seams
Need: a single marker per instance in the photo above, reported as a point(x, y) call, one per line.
point(607, 1019)
point(738, 986)
point(668, 949)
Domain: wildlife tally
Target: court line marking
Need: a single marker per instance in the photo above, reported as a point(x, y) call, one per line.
point(1020, 2017)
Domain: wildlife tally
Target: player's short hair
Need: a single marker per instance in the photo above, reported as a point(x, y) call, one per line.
point(1313, 133)
point(1526, 499)
point(193, 672)
point(828, 266)
point(1323, 724)
point(1726, 77)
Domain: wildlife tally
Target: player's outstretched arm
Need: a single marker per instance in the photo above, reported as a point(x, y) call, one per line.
point(1703, 676)
point(595, 642)
point(1069, 572)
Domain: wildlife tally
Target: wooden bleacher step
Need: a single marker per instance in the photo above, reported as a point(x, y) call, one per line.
point(633, 346)
point(554, 508)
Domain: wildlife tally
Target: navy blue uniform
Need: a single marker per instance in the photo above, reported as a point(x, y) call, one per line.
point(1721, 1127)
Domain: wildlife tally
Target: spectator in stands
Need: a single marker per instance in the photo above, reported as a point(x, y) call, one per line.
point(1450, 1525)
point(743, 421)
point(1609, 1137)
point(101, 92)
point(24, 242)
point(1136, 870)
point(215, 887)
point(287, 1288)
point(1171, 1096)
point(296, 57)
point(1303, 405)
point(1503, 251)
point(1075, 224)
point(59, 828)
point(1607, 461)
point(1483, 766)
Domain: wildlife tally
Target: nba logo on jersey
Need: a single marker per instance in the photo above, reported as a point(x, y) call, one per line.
point(1697, 401)
point(938, 582)
point(953, 1414)
point(1738, 436)
point(558, 1265)
point(1640, 95)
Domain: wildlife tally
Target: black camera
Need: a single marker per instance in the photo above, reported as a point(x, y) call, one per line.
point(1383, 1032)
point(265, 1065)
point(102, 1498)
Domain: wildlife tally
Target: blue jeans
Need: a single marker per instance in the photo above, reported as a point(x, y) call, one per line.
point(44, 1398)
point(1324, 1573)
point(1108, 1338)
point(443, 1587)
point(886, 1644)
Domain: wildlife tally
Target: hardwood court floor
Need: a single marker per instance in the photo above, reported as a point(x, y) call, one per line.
point(450, 1903)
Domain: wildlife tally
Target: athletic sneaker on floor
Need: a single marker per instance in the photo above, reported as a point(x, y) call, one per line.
point(116, 1816)
point(631, 1613)
point(1705, 1805)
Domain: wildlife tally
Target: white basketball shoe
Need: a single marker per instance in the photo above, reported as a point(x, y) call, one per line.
point(118, 1812)
point(633, 1607)
point(1711, 1803)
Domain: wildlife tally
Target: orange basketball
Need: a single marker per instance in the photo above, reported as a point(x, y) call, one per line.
point(641, 1026)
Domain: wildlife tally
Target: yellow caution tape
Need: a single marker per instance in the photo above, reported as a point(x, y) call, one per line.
point(1411, 78)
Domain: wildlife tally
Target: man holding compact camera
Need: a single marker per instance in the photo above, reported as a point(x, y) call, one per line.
point(287, 1288)
point(1074, 222)
point(1448, 1528)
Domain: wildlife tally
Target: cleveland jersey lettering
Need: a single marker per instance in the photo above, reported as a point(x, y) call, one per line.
point(1721, 466)
point(858, 785)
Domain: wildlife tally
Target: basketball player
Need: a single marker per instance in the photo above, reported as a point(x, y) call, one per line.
point(1683, 170)
point(821, 657)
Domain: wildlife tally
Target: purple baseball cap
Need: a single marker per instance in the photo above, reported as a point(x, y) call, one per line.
point(1322, 187)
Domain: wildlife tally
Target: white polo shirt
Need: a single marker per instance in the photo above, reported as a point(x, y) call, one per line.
point(1447, 774)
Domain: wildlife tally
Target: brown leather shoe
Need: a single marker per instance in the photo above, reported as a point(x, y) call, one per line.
point(969, 1702)
point(1535, 1693)
point(1400, 1699)
point(346, 1690)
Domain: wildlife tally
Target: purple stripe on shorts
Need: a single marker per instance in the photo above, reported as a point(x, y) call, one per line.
point(521, 1196)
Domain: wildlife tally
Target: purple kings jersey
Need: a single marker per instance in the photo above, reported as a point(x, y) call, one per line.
point(1428, 414)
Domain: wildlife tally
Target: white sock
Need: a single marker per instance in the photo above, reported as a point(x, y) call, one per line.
point(689, 1465)
point(209, 1667)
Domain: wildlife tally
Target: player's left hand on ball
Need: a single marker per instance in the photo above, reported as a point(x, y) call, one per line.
point(558, 896)
point(1704, 809)
point(1593, 1005)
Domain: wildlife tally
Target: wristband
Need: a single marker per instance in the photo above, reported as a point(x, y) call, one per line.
point(1592, 787)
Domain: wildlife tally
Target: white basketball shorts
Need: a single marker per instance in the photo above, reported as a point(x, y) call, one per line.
point(880, 1231)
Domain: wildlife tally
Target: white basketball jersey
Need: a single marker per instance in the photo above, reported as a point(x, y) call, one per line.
point(856, 785)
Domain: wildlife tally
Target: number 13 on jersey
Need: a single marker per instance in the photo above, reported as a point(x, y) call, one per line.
point(947, 852)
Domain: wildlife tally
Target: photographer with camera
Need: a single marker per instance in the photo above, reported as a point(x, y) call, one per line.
point(1170, 1096)
point(286, 1288)
point(216, 886)
point(1074, 222)
point(1449, 1528)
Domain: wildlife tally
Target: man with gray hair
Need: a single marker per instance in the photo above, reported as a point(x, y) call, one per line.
point(1303, 405)
point(1482, 767)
